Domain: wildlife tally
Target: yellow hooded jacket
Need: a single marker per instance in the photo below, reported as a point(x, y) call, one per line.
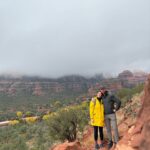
point(96, 112)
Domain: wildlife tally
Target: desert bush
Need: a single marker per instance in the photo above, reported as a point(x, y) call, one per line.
point(13, 122)
point(126, 94)
point(19, 114)
point(11, 140)
point(65, 124)
point(30, 120)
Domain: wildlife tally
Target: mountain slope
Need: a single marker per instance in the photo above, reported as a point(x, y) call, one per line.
point(137, 137)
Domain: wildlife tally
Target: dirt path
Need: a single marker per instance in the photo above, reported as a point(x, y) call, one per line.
point(88, 141)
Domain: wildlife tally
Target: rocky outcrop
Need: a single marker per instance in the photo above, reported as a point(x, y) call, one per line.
point(125, 74)
point(129, 79)
point(138, 136)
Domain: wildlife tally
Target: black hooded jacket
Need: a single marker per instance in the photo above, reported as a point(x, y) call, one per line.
point(111, 103)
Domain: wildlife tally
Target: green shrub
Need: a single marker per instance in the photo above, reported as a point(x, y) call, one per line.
point(126, 94)
point(65, 124)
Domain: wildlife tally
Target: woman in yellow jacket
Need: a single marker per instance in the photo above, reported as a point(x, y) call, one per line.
point(97, 118)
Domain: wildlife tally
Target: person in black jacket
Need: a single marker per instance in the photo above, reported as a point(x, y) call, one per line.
point(111, 105)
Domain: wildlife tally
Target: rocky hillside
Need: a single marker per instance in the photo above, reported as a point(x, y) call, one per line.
point(133, 125)
point(126, 119)
point(138, 136)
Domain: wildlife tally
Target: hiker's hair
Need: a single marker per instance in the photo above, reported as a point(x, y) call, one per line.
point(103, 88)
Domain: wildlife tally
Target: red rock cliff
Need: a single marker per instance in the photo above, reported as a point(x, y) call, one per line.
point(138, 136)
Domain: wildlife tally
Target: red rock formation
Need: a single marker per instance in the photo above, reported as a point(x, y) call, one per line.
point(37, 90)
point(125, 74)
point(138, 136)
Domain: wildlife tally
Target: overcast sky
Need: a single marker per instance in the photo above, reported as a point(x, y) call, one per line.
point(52, 38)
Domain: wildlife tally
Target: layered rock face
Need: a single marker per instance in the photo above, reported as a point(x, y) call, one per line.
point(13, 87)
point(138, 136)
point(75, 84)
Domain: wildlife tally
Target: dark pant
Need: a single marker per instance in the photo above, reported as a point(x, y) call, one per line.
point(96, 128)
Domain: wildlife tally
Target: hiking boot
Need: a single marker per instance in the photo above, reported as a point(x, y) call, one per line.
point(96, 146)
point(101, 145)
point(110, 144)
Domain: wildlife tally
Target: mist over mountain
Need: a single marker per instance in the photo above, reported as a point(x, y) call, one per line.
point(67, 85)
point(57, 38)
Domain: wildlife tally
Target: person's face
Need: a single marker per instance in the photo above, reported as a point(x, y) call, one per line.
point(102, 92)
point(99, 94)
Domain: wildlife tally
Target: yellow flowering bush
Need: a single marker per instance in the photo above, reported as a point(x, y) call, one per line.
point(13, 122)
point(46, 117)
point(30, 120)
point(19, 114)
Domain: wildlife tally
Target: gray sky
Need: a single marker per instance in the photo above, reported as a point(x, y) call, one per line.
point(60, 37)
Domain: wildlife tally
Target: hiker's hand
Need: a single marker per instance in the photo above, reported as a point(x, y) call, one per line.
point(92, 121)
point(114, 110)
point(93, 99)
